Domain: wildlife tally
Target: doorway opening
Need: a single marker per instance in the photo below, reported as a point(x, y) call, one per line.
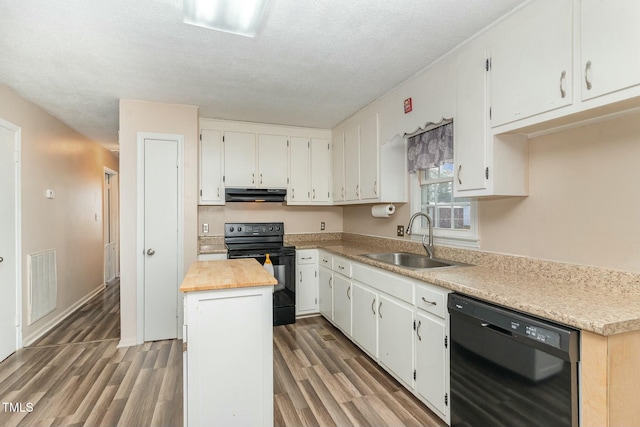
point(111, 226)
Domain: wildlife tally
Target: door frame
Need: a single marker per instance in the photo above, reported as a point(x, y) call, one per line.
point(106, 217)
point(141, 137)
point(17, 132)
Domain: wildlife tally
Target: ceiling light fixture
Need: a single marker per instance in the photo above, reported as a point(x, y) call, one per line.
point(240, 17)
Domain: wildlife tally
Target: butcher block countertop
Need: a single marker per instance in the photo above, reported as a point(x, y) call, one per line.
point(226, 274)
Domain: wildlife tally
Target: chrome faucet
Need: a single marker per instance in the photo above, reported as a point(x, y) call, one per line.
point(427, 246)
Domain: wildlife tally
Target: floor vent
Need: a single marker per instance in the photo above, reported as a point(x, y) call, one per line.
point(43, 284)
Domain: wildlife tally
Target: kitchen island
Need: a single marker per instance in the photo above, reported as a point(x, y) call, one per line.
point(228, 343)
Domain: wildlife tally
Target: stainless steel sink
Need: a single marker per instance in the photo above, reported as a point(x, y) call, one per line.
point(413, 261)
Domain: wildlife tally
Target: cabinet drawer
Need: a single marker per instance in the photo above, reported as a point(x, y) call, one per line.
point(391, 283)
point(342, 266)
point(432, 299)
point(326, 260)
point(307, 256)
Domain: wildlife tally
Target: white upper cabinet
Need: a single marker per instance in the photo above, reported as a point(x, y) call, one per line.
point(240, 159)
point(485, 164)
point(273, 158)
point(309, 171)
point(368, 157)
point(470, 132)
point(299, 171)
point(609, 46)
point(352, 164)
point(530, 68)
point(337, 167)
point(211, 166)
point(364, 169)
point(320, 170)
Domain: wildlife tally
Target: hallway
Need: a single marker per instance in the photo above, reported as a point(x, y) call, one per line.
point(75, 375)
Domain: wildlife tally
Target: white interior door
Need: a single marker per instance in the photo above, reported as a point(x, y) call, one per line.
point(161, 239)
point(8, 261)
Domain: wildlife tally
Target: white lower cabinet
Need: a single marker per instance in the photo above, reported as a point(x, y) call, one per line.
point(229, 388)
point(306, 282)
point(432, 367)
point(342, 303)
point(402, 323)
point(364, 325)
point(325, 292)
point(395, 338)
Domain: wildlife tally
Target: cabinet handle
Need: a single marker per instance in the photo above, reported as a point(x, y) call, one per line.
point(418, 330)
point(342, 193)
point(260, 178)
point(349, 292)
point(308, 257)
point(373, 304)
point(587, 70)
point(293, 193)
point(563, 76)
point(459, 170)
point(340, 267)
point(375, 187)
point(429, 302)
point(300, 276)
point(358, 190)
point(330, 285)
point(380, 309)
point(314, 193)
point(218, 191)
point(253, 178)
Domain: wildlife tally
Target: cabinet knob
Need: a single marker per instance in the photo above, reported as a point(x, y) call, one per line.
point(587, 72)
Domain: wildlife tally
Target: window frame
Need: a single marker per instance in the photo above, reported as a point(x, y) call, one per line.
point(441, 236)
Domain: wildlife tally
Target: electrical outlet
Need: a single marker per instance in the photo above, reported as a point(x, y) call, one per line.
point(400, 230)
point(322, 226)
point(205, 228)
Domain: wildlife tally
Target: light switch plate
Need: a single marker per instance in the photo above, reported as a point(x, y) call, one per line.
point(50, 194)
point(205, 228)
point(322, 226)
point(400, 231)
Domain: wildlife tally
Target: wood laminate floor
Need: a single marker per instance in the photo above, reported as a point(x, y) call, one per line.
point(76, 376)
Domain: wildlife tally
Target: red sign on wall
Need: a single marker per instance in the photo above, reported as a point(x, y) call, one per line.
point(407, 105)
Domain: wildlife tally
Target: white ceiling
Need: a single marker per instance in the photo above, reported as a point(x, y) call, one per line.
point(313, 62)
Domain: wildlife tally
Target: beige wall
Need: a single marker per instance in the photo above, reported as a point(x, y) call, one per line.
point(135, 117)
point(584, 199)
point(297, 219)
point(358, 219)
point(53, 156)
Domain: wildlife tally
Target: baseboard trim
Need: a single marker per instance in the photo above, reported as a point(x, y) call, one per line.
point(40, 332)
point(127, 342)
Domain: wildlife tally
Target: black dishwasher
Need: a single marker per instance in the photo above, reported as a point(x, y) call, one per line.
point(510, 369)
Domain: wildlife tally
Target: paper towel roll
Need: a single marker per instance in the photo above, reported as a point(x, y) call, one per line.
point(382, 211)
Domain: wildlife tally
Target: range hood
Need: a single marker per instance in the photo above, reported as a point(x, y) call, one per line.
point(255, 194)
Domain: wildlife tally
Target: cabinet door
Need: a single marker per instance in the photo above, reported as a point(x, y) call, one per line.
point(342, 303)
point(240, 159)
point(609, 35)
point(299, 180)
point(470, 124)
point(307, 289)
point(432, 368)
point(211, 164)
point(365, 319)
point(273, 159)
point(325, 292)
point(320, 170)
point(530, 69)
point(352, 164)
point(368, 155)
point(337, 167)
point(395, 338)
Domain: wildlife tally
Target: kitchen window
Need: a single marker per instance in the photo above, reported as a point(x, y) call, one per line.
point(430, 155)
point(454, 218)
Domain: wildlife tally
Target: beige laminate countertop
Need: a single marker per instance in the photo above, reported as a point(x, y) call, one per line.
point(602, 308)
point(226, 274)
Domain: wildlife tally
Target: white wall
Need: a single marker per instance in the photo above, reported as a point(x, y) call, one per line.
point(53, 156)
point(135, 117)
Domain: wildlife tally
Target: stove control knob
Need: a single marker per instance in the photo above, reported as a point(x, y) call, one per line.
point(231, 229)
point(277, 228)
point(271, 228)
point(239, 229)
